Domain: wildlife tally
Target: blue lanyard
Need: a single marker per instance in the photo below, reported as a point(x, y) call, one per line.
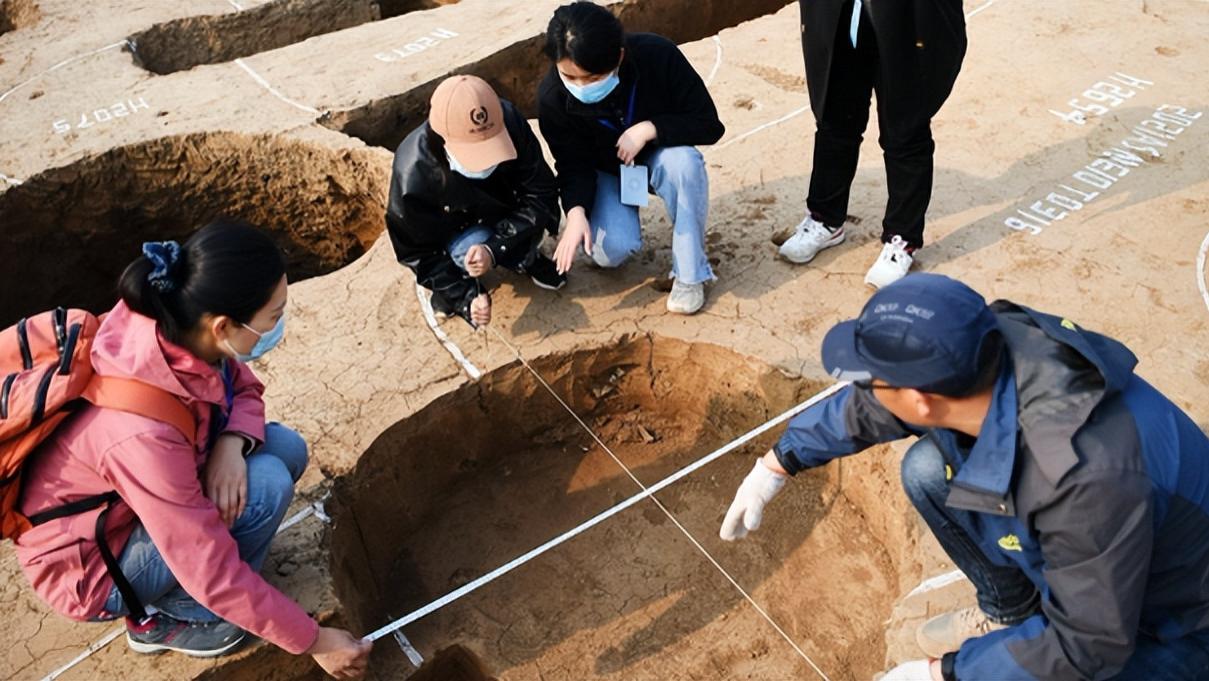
point(629, 117)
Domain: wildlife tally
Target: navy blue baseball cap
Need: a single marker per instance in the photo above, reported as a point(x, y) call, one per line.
point(924, 331)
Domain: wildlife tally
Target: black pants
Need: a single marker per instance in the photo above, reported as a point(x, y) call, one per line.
point(906, 140)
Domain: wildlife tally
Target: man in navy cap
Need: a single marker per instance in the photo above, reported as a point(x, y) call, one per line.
point(1072, 493)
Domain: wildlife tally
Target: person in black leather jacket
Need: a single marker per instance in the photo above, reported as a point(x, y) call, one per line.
point(469, 191)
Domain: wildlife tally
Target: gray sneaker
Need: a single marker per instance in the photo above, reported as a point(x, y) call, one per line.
point(160, 632)
point(685, 298)
point(945, 633)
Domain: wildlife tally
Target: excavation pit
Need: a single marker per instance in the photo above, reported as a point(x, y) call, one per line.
point(183, 43)
point(516, 71)
point(487, 472)
point(70, 231)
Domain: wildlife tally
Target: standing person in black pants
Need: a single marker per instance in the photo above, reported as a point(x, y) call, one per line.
point(907, 51)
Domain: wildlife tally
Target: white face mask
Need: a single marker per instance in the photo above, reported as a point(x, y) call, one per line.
point(458, 168)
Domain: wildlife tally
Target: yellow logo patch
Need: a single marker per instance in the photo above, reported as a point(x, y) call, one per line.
point(1010, 542)
point(1068, 324)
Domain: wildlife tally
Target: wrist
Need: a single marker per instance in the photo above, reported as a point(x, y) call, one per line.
point(772, 464)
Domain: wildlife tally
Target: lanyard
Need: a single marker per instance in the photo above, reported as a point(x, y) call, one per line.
point(629, 117)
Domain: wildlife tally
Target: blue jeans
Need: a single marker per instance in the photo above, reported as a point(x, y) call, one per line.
point(1007, 596)
point(679, 177)
point(479, 234)
point(272, 471)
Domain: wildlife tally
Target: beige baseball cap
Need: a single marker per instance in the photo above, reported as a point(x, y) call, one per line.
point(467, 114)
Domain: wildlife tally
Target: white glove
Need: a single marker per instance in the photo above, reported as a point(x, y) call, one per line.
point(746, 511)
point(915, 670)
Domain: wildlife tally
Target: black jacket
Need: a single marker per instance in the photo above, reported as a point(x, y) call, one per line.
point(430, 204)
point(1084, 477)
point(667, 92)
point(920, 43)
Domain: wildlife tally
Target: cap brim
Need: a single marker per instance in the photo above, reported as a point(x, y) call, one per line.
point(840, 357)
point(476, 156)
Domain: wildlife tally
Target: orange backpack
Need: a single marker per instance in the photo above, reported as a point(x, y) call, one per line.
point(46, 373)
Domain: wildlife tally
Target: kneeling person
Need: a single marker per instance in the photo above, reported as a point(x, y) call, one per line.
point(470, 191)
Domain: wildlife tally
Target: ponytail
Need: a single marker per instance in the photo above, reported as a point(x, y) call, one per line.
point(226, 268)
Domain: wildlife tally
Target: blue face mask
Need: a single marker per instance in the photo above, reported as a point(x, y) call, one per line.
point(458, 168)
point(268, 340)
point(592, 92)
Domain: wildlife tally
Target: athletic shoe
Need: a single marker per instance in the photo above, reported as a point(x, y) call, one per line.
point(685, 298)
point(442, 309)
point(811, 237)
point(161, 632)
point(945, 633)
point(891, 265)
point(545, 274)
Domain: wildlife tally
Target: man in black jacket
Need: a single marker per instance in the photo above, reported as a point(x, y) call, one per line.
point(612, 100)
point(909, 52)
point(470, 190)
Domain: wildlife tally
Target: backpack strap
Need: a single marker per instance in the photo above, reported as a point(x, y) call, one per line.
point(136, 397)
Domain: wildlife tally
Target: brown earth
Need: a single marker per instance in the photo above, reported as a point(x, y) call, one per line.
point(288, 140)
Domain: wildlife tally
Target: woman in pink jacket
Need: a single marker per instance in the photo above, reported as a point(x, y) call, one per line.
point(194, 523)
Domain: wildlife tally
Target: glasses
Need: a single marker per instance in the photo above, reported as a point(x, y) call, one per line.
point(868, 384)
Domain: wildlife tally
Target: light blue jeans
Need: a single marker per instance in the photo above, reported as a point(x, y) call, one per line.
point(272, 471)
point(679, 177)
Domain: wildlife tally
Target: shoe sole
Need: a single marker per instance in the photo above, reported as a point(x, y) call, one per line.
point(156, 648)
point(829, 244)
point(547, 286)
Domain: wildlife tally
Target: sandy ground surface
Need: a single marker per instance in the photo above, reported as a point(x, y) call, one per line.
point(98, 153)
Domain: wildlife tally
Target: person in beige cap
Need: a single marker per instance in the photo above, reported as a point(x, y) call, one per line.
point(469, 191)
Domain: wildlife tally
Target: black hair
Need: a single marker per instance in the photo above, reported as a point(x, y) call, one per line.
point(226, 268)
point(587, 34)
point(990, 363)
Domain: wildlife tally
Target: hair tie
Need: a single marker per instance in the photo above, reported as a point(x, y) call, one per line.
point(163, 256)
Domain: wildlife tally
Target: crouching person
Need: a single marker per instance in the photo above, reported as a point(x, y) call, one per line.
point(471, 191)
point(198, 498)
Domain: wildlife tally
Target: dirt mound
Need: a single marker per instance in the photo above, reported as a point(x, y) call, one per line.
point(69, 231)
point(493, 469)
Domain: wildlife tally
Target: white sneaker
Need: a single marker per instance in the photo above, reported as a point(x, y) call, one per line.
point(811, 237)
point(685, 298)
point(891, 265)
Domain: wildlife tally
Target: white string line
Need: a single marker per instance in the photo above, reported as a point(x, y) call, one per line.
point(235, 5)
point(971, 13)
point(1200, 269)
point(315, 509)
point(452, 348)
point(717, 61)
point(265, 84)
point(662, 508)
point(60, 65)
point(801, 110)
point(10, 180)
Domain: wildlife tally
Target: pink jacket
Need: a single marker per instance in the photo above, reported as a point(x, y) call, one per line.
point(157, 473)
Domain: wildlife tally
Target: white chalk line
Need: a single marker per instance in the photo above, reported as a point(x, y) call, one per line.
point(10, 180)
point(1200, 270)
point(451, 347)
point(265, 84)
point(316, 509)
point(647, 492)
point(236, 5)
point(60, 65)
point(717, 61)
point(933, 583)
point(801, 110)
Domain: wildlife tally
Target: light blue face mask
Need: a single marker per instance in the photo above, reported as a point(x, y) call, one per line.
point(268, 340)
point(458, 168)
point(592, 92)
